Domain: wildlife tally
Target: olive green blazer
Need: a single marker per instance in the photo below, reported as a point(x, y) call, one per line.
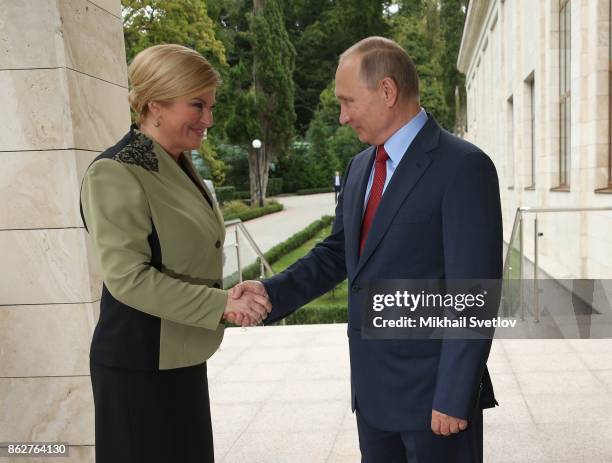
point(159, 240)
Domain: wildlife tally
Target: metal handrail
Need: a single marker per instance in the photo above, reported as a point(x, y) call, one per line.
point(264, 264)
point(517, 227)
point(528, 209)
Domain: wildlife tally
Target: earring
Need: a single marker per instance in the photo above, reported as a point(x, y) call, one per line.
point(157, 123)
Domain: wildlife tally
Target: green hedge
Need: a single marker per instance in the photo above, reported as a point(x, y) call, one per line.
point(312, 191)
point(225, 193)
point(293, 242)
point(275, 186)
point(254, 212)
point(311, 315)
point(242, 194)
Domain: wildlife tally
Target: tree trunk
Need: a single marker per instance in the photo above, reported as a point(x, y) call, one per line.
point(259, 166)
point(258, 169)
point(257, 181)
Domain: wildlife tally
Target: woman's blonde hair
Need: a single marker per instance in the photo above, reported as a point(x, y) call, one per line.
point(167, 73)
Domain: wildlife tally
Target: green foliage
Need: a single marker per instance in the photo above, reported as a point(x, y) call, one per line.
point(345, 144)
point(312, 315)
point(325, 161)
point(234, 208)
point(332, 145)
point(416, 28)
point(235, 114)
point(239, 210)
point(225, 194)
point(452, 14)
point(275, 186)
point(216, 166)
point(320, 31)
point(274, 254)
point(235, 158)
point(277, 60)
point(243, 195)
point(329, 308)
point(298, 238)
point(184, 22)
point(241, 123)
point(295, 168)
point(430, 31)
point(273, 65)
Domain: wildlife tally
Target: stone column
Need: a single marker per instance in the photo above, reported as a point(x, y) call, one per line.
point(63, 99)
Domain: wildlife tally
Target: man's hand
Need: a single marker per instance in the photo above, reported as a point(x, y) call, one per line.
point(445, 425)
point(254, 295)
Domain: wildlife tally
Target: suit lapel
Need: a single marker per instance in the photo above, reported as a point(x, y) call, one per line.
point(411, 168)
point(352, 234)
point(197, 177)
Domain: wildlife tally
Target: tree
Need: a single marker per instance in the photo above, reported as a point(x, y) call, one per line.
point(273, 65)
point(332, 145)
point(416, 27)
point(321, 30)
point(216, 166)
point(185, 22)
point(452, 14)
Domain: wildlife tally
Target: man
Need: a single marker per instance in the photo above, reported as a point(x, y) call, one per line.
point(337, 186)
point(418, 204)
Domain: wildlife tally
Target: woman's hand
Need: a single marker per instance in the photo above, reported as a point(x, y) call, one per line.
point(246, 308)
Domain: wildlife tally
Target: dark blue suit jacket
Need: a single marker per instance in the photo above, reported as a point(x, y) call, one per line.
point(439, 217)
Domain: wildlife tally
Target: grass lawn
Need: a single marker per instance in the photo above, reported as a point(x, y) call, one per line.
point(336, 297)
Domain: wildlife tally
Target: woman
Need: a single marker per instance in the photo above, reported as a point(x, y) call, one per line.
point(159, 238)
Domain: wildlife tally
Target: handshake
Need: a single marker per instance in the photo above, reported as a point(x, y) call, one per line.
point(248, 304)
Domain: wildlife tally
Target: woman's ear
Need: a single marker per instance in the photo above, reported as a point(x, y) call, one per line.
point(154, 109)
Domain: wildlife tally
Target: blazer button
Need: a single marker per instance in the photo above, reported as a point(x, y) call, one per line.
point(355, 288)
point(217, 285)
point(218, 244)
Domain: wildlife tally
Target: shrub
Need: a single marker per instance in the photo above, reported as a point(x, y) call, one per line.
point(275, 253)
point(242, 194)
point(234, 208)
point(311, 315)
point(239, 210)
point(225, 193)
point(275, 186)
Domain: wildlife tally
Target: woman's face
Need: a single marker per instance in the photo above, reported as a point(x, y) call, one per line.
point(183, 124)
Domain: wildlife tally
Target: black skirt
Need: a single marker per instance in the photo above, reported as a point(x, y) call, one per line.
point(152, 416)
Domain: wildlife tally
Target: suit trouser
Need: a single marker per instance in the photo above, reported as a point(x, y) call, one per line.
point(379, 446)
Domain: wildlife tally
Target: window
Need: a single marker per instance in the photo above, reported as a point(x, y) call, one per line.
point(531, 152)
point(564, 95)
point(609, 189)
point(510, 144)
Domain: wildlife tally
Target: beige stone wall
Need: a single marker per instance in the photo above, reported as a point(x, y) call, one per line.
point(514, 41)
point(63, 94)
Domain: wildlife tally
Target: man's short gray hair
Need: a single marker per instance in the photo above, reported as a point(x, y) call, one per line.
point(380, 58)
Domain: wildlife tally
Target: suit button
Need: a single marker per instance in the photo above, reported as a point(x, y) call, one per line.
point(218, 244)
point(355, 288)
point(216, 285)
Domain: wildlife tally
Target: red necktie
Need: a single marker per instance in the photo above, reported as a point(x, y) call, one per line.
point(380, 175)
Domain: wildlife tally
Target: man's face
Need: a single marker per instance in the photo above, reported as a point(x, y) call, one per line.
point(365, 110)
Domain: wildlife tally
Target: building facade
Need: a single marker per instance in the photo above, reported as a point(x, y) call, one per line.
point(539, 102)
point(63, 94)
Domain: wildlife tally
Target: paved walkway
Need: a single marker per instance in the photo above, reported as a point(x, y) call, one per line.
point(269, 230)
point(281, 395)
point(299, 212)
